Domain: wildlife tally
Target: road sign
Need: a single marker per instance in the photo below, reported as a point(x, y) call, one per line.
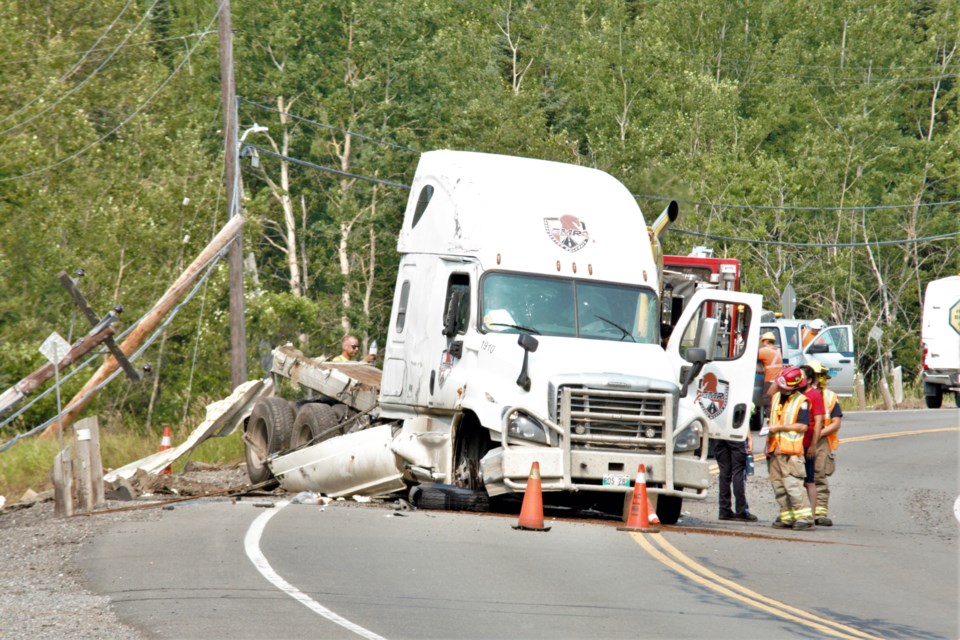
point(876, 333)
point(788, 301)
point(55, 348)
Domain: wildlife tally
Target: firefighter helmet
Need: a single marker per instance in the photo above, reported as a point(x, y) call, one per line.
point(790, 378)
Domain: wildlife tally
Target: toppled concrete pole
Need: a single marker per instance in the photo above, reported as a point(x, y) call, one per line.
point(149, 322)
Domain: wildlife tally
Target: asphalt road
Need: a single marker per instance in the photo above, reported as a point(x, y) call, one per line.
point(888, 569)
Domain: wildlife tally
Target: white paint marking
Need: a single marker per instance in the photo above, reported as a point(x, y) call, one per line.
point(251, 544)
point(956, 508)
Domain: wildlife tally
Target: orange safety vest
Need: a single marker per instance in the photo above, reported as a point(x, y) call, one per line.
point(830, 400)
point(789, 443)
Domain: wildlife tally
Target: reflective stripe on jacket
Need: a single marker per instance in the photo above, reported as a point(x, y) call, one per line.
point(788, 443)
point(829, 402)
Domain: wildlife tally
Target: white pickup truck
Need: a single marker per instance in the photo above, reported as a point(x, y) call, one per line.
point(525, 328)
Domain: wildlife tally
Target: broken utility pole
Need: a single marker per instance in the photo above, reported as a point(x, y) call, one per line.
point(150, 322)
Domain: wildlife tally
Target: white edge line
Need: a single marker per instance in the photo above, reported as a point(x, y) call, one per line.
point(251, 544)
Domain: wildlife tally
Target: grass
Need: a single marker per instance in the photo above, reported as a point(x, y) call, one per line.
point(28, 464)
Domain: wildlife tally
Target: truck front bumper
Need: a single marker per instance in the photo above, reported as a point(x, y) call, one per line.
point(506, 470)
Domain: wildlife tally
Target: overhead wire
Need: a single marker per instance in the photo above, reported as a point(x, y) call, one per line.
point(86, 79)
point(145, 43)
point(329, 126)
point(127, 119)
point(817, 245)
point(72, 69)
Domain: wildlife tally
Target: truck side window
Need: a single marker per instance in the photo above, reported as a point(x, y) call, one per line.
point(729, 343)
point(459, 283)
point(402, 305)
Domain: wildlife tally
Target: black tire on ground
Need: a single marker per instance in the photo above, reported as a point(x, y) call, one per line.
point(448, 497)
point(956, 398)
point(668, 509)
point(933, 395)
point(314, 422)
point(268, 432)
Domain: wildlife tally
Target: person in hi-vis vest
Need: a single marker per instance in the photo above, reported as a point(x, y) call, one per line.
point(789, 417)
point(827, 445)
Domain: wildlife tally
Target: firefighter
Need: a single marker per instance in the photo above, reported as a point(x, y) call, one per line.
point(826, 446)
point(789, 418)
point(812, 435)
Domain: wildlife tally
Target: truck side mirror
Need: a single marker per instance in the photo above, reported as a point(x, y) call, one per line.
point(818, 348)
point(450, 326)
point(688, 373)
point(529, 345)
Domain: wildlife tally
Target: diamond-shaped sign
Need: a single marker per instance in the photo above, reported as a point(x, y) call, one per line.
point(955, 316)
point(55, 348)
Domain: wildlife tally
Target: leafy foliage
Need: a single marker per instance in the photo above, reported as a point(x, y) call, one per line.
point(111, 155)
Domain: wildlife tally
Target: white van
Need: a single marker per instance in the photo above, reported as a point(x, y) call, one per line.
point(940, 335)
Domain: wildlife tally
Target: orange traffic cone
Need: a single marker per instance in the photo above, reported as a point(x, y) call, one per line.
point(531, 511)
point(639, 517)
point(165, 444)
point(654, 519)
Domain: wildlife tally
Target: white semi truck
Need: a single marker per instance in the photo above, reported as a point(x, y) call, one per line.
point(940, 334)
point(526, 327)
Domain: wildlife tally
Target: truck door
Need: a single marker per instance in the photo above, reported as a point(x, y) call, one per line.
point(833, 348)
point(723, 390)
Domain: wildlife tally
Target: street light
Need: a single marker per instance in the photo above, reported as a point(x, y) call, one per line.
point(247, 150)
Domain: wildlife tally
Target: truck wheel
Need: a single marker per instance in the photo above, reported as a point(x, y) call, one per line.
point(268, 432)
point(956, 398)
point(315, 422)
point(448, 497)
point(933, 395)
point(668, 509)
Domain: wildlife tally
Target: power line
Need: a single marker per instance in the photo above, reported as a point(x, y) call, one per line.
point(773, 207)
point(319, 167)
point(818, 245)
point(74, 68)
point(330, 126)
point(146, 43)
point(80, 84)
point(130, 117)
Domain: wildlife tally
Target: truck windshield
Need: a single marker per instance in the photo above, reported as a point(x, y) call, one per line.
point(550, 306)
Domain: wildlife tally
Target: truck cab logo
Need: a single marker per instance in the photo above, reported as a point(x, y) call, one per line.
point(712, 395)
point(567, 232)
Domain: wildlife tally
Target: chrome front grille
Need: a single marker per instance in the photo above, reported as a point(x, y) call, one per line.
point(605, 418)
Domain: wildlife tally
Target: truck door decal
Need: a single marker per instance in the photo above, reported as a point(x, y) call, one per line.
point(712, 395)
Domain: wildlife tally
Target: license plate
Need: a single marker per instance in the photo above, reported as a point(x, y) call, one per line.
point(616, 480)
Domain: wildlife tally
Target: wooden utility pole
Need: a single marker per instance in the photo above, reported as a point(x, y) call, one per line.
point(238, 329)
point(149, 322)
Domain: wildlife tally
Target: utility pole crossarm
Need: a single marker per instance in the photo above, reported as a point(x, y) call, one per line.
point(71, 285)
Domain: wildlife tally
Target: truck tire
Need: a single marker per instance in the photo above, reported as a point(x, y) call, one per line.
point(315, 422)
point(668, 509)
point(956, 398)
point(933, 395)
point(448, 497)
point(268, 432)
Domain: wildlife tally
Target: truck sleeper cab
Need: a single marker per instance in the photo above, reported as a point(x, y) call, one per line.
point(525, 327)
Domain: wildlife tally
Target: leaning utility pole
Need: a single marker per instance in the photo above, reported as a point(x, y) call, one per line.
point(238, 331)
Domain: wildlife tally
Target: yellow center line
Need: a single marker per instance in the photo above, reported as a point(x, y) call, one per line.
point(714, 469)
point(685, 566)
point(706, 578)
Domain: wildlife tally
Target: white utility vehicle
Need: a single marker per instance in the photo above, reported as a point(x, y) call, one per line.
point(940, 334)
point(526, 327)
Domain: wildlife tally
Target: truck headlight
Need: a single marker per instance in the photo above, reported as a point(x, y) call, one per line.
point(689, 438)
point(524, 427)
